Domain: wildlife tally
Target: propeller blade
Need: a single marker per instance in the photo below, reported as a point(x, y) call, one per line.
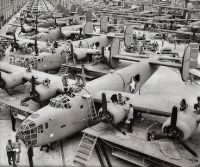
point(188, 148)
point(102, 51)
point(174, 117)
point(104, 103)
point(153, 136)
point(36, 48)
point(120, 130)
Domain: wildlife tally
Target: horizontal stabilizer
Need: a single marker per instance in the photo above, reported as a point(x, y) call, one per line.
point(195, 72)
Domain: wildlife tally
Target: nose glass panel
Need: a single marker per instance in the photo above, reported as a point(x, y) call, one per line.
point(28, 132)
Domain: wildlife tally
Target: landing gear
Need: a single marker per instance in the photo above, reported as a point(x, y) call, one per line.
point(52, 146)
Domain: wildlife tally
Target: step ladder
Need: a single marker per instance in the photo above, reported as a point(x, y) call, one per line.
point(28, 88)
point(85, 149)
point(92, 110)
point(34, 63)
point(63, 69)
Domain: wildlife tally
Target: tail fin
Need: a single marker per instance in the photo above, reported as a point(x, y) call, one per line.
point(189, 60)
point(88, 28)
point(104, 24)
point(114, 51)
point(88, 16)
point(128, 37)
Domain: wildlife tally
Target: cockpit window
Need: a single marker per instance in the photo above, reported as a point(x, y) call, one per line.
point(61, 101)
point(28, 130)
point(40, 129)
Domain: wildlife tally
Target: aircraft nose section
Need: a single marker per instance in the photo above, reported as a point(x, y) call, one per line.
point(27, 132)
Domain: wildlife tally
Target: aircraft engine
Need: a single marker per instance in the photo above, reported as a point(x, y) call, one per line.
point(45, 93)
point(185, 126)
point(114, 114)
point(8, 81)
point(80, 54)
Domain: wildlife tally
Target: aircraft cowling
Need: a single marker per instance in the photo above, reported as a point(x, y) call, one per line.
point(80, 53)
point(114, 115)
point(45, 93)
point(11, 80)
point(186, 124)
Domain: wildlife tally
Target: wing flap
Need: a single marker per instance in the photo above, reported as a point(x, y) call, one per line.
point(120, 57)
point(166, 64)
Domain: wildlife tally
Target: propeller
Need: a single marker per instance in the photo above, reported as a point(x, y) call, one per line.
point(172, 132)
point(34, 95)
point(72, 53)
point(15, 44)
point(103, 51)
point(36, 48)
point(36, 24)
point(22, 27)
point(106, 116)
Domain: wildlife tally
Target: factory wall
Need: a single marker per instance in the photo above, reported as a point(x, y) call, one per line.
point(8, 8)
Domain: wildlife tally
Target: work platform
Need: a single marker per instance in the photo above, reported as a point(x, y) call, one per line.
point(134, 147)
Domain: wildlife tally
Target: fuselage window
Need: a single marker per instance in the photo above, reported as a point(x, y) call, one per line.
point(40, 129)
point(46, 125)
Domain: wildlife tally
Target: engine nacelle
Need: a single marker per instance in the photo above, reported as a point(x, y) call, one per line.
point(11, 80)
point(186, 123)
point(80, 53)
point(114, 115)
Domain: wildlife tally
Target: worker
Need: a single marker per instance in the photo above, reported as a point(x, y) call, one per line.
point(46, 82)
point(13, 116)
point(48, 43)
point(30, 155)
point(130, 118)
point(10, 152)
point(55, 44)
point(80, 44)
point(17, 147)
point(121, 99)
point(183, 105)
point(162, 42)
point(197, 105)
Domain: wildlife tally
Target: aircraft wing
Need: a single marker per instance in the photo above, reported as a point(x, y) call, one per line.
point(17, 25)
point(166, 64)
point(164, 58)
point(129, 58)
point(195, 72)
point(150, 104)
point(7, 37)
point(173, 31)
point(41, 76)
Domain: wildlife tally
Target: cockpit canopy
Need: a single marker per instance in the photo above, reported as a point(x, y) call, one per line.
point(61, 101)
point(28, 132)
